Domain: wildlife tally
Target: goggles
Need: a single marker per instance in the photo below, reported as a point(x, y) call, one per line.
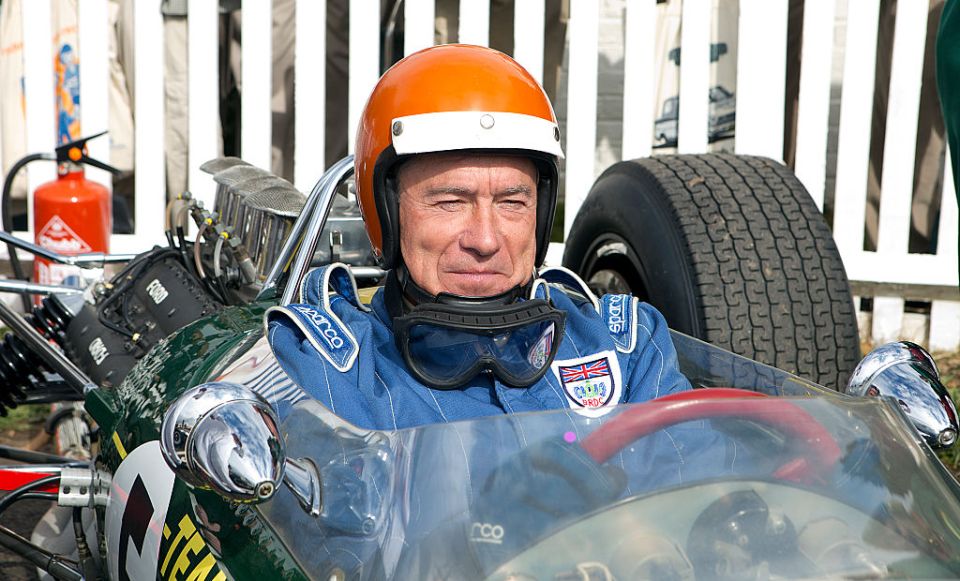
point(447, 345)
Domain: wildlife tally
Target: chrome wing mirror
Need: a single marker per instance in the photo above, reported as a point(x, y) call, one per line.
point(908, 374)
point(223, 437)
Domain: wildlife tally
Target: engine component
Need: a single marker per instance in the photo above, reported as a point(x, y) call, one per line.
point(229, 195)
point(162, 290)
point(20, 368)
point(152, 297)
point(106, 355)
point(344, 239)
point(170, 296)
point(267, 220)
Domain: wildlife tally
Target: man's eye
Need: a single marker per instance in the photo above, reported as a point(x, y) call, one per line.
point(515, 204)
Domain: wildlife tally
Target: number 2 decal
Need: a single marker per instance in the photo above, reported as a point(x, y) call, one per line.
point(139, 500)
point(134, 522)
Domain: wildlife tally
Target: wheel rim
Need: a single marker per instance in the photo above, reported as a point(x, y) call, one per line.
point(609, 281)
point(611, 266)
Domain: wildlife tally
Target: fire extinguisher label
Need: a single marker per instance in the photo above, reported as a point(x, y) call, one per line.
point(56, 235)
point(54, 273)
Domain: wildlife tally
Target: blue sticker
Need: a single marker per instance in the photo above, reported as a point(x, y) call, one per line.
point(619, 315)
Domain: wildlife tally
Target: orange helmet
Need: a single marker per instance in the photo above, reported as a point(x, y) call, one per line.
point(445, 98)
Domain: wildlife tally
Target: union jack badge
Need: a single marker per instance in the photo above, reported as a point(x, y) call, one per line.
point(591, 383)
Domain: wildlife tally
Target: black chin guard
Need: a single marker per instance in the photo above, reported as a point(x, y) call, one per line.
point(447, 339)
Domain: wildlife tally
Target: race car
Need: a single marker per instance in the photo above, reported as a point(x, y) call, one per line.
point(192, 475)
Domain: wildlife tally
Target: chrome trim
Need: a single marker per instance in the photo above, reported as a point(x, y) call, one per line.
point(224, 437)
point(24, 287)
point(91, 258)
point(890, 354)
point(97, 258)
point(367, 271)
point(309, 226)
point(303, 480)
point(907, 373)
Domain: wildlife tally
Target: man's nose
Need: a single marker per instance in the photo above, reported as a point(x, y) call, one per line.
point(481, 234)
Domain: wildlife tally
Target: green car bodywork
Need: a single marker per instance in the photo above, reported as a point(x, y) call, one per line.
point(202, 532)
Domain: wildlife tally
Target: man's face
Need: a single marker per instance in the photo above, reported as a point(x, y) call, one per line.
point(468, 222)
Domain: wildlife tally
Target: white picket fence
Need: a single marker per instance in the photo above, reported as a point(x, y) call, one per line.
point(761, 70)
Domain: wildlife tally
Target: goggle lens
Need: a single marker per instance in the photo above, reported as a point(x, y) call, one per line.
point(446, 357)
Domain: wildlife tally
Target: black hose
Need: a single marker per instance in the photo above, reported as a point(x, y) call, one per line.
point(40, 496)
point(53, 564)
point(182, 245)
point(8, 219)
point(8, 500)
point(41, 348)
point(84, 555)
point(31, 457)
point(101, 533)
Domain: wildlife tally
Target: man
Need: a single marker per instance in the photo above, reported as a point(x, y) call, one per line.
point(456, 172)
point(456, 169)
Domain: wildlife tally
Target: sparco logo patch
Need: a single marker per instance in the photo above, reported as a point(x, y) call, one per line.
point(615, 319)
point(325, 331)
point(481, 532)
point(619, 313)
point(323, 324)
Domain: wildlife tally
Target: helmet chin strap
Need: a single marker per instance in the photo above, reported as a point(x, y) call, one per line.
point(402, 293)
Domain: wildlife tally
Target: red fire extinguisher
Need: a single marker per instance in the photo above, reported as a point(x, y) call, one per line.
point(71, 214)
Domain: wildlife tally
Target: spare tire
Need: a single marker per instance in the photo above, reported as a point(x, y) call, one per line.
point(731, 249)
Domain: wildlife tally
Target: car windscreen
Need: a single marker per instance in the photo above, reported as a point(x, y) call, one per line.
point(705, 487)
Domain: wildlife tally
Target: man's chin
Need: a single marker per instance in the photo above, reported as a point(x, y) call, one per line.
point(476, 285)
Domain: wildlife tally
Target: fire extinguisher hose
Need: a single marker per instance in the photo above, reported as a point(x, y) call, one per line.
point(8, 219)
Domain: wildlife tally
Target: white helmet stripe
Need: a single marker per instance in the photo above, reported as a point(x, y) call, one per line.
point(454, 130)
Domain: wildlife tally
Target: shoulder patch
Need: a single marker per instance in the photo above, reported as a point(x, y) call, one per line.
point(619, 314)
point(325, 331)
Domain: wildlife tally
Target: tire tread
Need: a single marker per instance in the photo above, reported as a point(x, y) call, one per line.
point(766, 271)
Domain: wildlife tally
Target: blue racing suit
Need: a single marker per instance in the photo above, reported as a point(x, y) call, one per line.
point(343, 354)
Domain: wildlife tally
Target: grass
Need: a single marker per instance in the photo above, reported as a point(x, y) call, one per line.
point(24, 418)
